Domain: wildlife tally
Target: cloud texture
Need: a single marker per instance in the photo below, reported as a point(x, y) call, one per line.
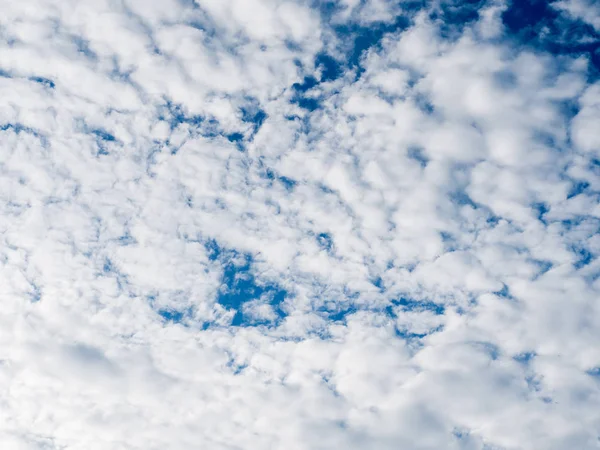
point(361, 224)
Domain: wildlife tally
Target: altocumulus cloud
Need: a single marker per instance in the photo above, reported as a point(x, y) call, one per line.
point(269, 224)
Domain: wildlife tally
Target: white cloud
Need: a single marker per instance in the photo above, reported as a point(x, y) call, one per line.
point(584, 10)
point(583, 133)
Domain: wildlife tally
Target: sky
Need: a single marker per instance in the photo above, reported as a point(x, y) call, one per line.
point(300, 224)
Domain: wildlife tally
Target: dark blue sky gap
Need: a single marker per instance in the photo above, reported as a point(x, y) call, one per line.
point(288, 183)
point(109, 269)
point(418, 155)
point(239, 285)
point(578, 187)
point(253, 114)
point(359, 38)
point(20, 128)
point(16, 127)
point(354, 40)
point(419, 305)
point(209, 127)
point(103, 137)
point(524, 358)
point(583, 255)
point(43, 81)
point(453, 16)
point(536, 24)
point(336, 311)
point(171, 315)
point(325, 241)
point(341, 314)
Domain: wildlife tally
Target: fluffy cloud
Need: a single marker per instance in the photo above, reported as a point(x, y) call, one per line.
point(268, 224)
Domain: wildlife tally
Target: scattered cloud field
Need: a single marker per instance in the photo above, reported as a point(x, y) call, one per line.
point(296, 224)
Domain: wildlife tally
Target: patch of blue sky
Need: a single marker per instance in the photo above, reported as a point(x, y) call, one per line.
point(492, 350)
point(308, 83)
point(408, 304)
point(578, 187)
point(239, 286)
point(288, 183)
point(580, 220)
point(327, 8)
point(505, 79)
point(541, 209)
point(20, 128)
point(543, 267)
point(453, 16)
point(103, 135)
point(423, 103)
point(175, 115)
point(46, 82)
point(126, 239)
point(35, 295)
point(378, 283)
point(200, 20)
point(253, 114)
point(539, 25)
point(336, 305)
point(526, 17)
point(235, 366)
point(341, 314)
point(123, 76)
point(83, 47)
point(354, 40)
point(302, 96)
point(209, 127)
point(504, 292)
point(594, 372)
point(109, 269)
point(171, 315)
point(413, 337)
point(524, 358)
point(461, 434)
point(235, 137)
point(17, 128)
point(103, 139)
point(365, 38)
point(583, 257)
point(460, 197)
point(308, 103)
point(534, 383)
point(107, 266)
point(328, 67)
point(418, 155)
point(325, 241)
point(450, 241)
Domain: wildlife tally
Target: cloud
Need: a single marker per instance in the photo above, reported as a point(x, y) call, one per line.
point(299, 225)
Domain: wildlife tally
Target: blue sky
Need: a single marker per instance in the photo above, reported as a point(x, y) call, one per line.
point(296, 224)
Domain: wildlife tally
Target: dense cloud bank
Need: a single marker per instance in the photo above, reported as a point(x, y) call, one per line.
point(265, 224)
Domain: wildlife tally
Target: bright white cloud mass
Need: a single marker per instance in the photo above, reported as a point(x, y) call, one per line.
point(296, 224)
